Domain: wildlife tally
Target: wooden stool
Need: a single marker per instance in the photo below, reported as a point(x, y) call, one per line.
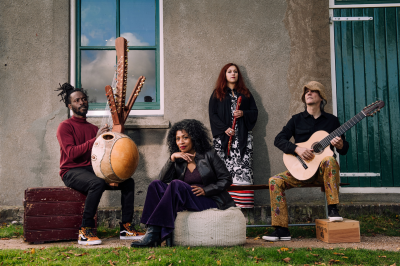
point(52, 214)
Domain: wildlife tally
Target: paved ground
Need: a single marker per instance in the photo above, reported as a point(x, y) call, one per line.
point(377, 242)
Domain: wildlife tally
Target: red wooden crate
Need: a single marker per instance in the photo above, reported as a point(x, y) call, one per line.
point(52, 214)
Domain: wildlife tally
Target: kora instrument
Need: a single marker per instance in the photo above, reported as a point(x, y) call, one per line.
point(115, 156)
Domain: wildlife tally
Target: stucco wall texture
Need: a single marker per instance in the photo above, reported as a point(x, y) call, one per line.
point(279, 45)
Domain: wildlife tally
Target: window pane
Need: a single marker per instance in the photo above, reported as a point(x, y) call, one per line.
point(98, 22)
point(142, 63)
point(97, 71)
point(138, 22)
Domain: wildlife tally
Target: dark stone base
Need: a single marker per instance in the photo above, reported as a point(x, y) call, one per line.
point(111, 217)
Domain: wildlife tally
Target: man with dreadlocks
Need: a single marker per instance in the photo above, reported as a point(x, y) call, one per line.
point(76, 137)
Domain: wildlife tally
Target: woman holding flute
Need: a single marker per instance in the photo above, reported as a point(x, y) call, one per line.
point(222, 112)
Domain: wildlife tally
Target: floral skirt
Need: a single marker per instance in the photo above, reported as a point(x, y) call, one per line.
point(241, 169)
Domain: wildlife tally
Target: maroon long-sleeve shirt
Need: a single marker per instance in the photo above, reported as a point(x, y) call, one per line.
point(76, 137)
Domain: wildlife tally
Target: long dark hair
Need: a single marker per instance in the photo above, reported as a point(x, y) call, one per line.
point(198, 133)
point(220, 85)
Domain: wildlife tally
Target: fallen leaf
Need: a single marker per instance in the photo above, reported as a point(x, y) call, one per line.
point(42, 258)
point(257, 238)
point(284, 249)
point(127, 255)
point(382, 256)
point(345, 257)
point(339, 254)
point(174, 250)
point(393, 264)
point(33, 251)
point(188, 247)
point(151, 251)
point(218, 262)
point(252, 249)
point(111, 263)
point(315, 255)
point(5, 238)
point(286, 259)
point(309, 249)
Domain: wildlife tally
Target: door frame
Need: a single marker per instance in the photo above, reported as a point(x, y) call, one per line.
point(332, 6)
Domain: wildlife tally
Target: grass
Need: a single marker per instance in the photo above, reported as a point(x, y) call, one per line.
point(197, 256)
point(11, 231)
point(370, 225)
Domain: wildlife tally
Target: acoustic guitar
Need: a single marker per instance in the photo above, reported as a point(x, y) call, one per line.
point(320, 143)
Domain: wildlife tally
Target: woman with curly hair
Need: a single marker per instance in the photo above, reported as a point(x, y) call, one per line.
point(222, 109)
point(197, 179)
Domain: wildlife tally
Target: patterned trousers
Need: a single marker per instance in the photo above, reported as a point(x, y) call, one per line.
point(327, 175)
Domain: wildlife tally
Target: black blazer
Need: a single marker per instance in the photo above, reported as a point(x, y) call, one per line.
point(216, 177)
point(221, 118)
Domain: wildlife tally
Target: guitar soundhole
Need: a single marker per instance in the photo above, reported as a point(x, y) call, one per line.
point(317, 147)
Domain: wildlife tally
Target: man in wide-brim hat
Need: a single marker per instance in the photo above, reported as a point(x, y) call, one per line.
point(301, 126)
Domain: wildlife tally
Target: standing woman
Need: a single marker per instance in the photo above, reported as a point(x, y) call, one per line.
point(222, 109)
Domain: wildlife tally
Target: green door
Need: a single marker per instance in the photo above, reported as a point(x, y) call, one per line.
point(367, 57)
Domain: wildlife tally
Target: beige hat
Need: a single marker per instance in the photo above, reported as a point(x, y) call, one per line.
point(314, 86)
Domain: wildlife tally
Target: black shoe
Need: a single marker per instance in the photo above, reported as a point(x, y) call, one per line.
point(152, 238)
point(334, 215)
point(280, 234)
point(127, 231)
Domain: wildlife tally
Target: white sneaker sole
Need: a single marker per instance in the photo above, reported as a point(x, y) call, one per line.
point(335, 219)
point(131, 237)
point(89, 243)
point(275, 238)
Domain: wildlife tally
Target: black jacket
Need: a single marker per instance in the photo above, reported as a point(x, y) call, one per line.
point(213, 172)
point(221, 118)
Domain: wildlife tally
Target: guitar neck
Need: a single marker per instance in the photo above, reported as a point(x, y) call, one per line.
point(342, 129)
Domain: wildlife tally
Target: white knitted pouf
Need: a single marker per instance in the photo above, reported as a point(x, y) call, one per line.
point(211, 227)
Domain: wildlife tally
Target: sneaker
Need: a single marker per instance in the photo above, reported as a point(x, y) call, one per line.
point(334, 215)
point(127, 231)
point(88, 237)
point(280, 234)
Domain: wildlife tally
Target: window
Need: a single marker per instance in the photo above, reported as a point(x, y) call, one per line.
point(356, 2)
point(98, 24)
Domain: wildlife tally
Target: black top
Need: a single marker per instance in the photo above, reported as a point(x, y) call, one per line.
point(221, 118)
point(302, 125)
point(193, 178)
point(214, 175)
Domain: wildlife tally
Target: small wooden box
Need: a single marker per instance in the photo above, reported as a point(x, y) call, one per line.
point(52, 214)
point(347, 231)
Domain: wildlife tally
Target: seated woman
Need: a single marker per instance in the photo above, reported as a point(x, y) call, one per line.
point(197, 179)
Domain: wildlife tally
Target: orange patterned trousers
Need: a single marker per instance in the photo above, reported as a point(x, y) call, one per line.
point(327, 175)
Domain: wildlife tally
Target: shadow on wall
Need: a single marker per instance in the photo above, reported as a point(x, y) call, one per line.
point(261, 161)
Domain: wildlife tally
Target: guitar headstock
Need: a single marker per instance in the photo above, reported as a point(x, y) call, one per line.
point(371, 109)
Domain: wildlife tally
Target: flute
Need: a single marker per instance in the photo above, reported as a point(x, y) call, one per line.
point(233, 125)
